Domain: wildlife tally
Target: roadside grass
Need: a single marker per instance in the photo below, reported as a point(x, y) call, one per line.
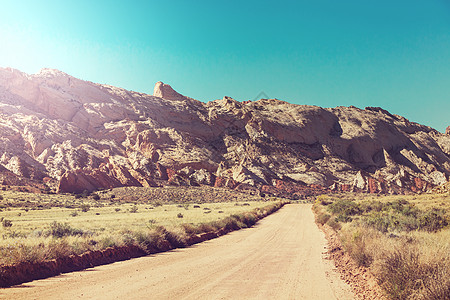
point(404, 240)
point(40, 228)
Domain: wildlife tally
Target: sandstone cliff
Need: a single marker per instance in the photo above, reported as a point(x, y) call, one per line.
point(75, 135)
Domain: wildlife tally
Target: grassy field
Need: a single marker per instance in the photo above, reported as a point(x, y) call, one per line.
point(37, 227)
point(404, 240)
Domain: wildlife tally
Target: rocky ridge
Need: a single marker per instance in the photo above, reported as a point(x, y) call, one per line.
point(73, 135)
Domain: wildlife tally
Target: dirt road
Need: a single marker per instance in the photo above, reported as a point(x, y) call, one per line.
point(280, 258)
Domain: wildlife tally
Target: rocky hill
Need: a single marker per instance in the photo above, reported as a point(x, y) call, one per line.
point(60, 132)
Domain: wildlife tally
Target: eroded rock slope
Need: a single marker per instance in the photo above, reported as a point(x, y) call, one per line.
point(73, 135)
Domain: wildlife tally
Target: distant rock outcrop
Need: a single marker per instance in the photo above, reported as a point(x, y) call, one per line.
point(447, 131)
point(165, 91)
point(75, 135)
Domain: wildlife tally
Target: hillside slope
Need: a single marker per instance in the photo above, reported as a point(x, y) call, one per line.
point(75, 135)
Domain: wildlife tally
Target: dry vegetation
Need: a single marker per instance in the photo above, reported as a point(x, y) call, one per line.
point(40, 227)
point(403, 240)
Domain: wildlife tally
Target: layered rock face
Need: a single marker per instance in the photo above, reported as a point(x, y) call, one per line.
point(75, 135)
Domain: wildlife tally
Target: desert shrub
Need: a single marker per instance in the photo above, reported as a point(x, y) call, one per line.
point(151, 240)
point(343, 206)
point(175, 239)
point(60, 230)
point(21, 253)
point(334, 224)
point(380, 221)
point(231, 223)
point(58, 248)
point(73, 214)
point(406, 219)
point(96, 197)
point(134, 209)
point(433, 221)
point(128, 238)
point(322, 218)
point(405, 273)
point(205, 227)
point(343, 218)
point(144, 240)
point(344, 209)
point(6, 223)
point(369, 206)
point(180, 215)
point(67, 204)
point(85, 207)
point(117, 209)
point(107, 242)
point(322, 200)
point(190, 228)
point(249, 219)
point(355, 243)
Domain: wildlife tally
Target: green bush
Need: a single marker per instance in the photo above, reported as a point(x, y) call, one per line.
point(433, 221)
point(344, 207)
point(343, 218)
point(405, 220)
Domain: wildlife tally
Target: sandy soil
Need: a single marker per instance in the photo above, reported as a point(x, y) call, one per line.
point(282, 257)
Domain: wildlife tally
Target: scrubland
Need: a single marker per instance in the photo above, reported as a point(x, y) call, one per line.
point(403, 240)
point(39, 227)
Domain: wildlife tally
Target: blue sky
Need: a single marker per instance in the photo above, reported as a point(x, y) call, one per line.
point(393, 54)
